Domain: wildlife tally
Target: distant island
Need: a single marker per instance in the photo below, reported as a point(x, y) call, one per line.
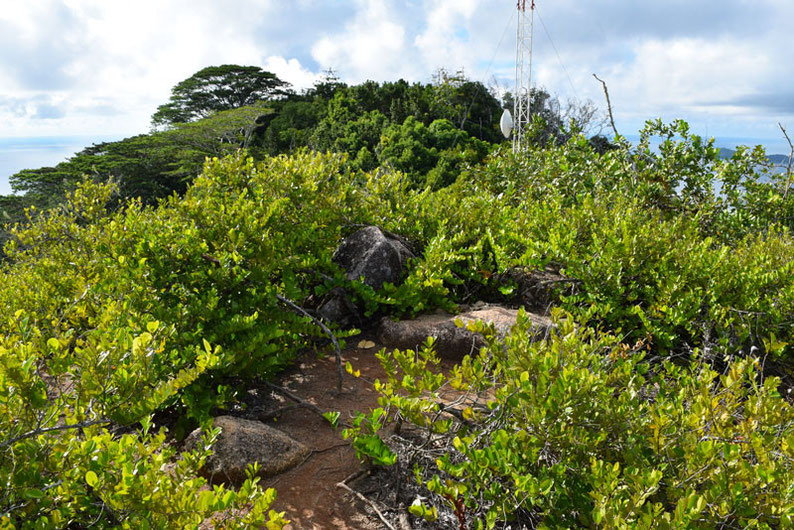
point(780, 161)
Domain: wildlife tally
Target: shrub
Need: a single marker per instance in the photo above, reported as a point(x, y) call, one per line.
point(581, 431)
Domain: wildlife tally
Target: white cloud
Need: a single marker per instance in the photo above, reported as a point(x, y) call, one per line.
point(445, 40)
point(98, 66)
point(371, 46)
point(123, 55)
point(685, 73)
point(292, 71)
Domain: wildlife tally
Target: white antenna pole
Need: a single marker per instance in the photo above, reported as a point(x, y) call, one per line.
point(521, 102)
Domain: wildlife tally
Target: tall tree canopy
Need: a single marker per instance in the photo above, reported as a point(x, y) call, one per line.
point(217, 88)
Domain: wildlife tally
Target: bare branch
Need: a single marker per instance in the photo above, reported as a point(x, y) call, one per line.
point(366, 500)
point(790, 159)
point(609, 105)
point(327, 330)
point(301, 402)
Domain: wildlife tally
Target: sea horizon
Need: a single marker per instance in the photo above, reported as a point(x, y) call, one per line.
point(33, 152)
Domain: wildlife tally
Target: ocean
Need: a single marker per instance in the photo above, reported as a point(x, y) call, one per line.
point(17, 154)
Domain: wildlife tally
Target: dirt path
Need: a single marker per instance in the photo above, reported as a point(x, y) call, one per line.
point(308, 492)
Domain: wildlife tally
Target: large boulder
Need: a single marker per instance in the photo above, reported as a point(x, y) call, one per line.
point(453, 342)
point(371, 255)
point(243, 442)
point(374, 256)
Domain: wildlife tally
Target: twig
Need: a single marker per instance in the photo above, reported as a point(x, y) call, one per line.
point(331, 448)
point(366, 500)
point(405, 523)
point(560, 280)
point(267, 416)
point(296, 399)
point(355, 475)
point(790, 159)
point(337, 349)
point(36, 432)
point(609, 105)
point(212, 259)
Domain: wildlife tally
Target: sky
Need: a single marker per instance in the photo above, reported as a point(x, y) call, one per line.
point(99, 68)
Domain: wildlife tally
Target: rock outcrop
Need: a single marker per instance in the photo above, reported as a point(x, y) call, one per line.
point(243, 442)
point(453, 342)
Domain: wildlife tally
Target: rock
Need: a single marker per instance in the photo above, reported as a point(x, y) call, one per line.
point(338, 309)
point(369, 254)
point(376, 256)
point(453, 342)
point(539, 290)
point(243, 442)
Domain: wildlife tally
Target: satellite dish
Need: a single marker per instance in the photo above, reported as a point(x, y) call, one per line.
point(506, 123)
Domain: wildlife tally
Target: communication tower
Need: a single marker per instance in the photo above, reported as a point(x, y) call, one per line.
point(520, 119)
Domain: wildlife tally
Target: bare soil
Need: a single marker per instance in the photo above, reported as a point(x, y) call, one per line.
point(309, 493)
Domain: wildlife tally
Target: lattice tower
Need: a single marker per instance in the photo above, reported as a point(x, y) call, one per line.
point(521, 103)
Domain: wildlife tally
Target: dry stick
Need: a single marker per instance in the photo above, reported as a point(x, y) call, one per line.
point(405, 523)
point(267, 416)
point(371, 503)
point(609, 105)
point(296, 399)
point(337, 349)
point(355, 475)
point(790, 159)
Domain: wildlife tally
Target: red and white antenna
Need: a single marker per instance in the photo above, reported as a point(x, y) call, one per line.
point(520, 119)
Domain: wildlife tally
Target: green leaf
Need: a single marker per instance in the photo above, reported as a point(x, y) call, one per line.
point(333, 418)
point(507, 290)
point(419, 509)
point(373, 447)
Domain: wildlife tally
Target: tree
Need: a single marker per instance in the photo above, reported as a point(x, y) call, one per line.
point(429, 156)
point(326, 87)
point(218, 88)
point(146, 166)
point(469, 105)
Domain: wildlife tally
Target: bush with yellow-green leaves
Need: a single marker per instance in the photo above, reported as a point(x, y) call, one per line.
point(581, 431)
point(113, 314)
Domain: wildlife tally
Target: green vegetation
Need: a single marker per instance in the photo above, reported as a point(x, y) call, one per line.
point(221, 109)
point(582, 431)
point(673, 419)
point(146, 286)
point(215, 89)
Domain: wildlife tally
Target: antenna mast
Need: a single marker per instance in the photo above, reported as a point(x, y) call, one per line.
point(521, 103)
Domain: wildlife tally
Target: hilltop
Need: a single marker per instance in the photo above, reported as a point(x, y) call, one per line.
point(163, 293)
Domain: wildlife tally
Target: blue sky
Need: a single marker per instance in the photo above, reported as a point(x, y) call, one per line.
point(100, 68)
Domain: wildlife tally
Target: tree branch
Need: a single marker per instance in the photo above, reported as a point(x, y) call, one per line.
point(301, 402)
point(609, 105)
point(366, 500)
point(327, 330)
point(36, 432)
point(790, 159)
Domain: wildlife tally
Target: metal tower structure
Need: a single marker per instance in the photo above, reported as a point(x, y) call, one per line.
point(521, 102)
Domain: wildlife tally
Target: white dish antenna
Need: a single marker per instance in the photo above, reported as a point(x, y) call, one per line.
point(506, 123)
